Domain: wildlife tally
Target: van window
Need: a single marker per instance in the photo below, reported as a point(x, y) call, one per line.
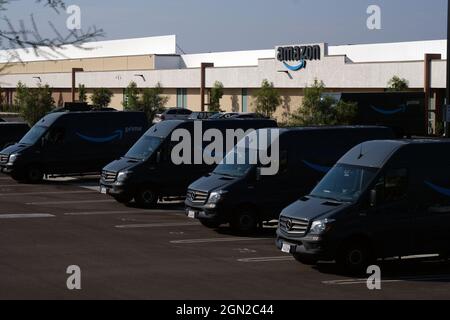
point(33, 135)
point(395, 185)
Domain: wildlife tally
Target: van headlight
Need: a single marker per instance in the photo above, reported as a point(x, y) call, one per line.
point(215, 197)
point(320, 226)
point(122, 176)
point(13, 158)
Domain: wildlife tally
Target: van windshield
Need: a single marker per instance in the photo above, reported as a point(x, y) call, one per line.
point(33, 135)
point(144, 148)
point(344, 183)
point(235, 164)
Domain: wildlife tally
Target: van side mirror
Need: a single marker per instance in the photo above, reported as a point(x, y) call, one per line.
point(373, 198)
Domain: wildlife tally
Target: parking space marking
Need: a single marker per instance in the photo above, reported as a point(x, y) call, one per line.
point(13, 194)
point(442, 277)
point(266, 259)
point(26, 216)
point(68, 202)
point(158, 225)
point(16, 185)
point(94, 213)
point(212, 240)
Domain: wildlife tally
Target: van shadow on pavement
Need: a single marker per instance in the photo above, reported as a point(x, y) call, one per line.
point(419, 270)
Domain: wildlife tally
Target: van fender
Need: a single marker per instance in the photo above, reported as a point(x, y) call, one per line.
point(357, 238)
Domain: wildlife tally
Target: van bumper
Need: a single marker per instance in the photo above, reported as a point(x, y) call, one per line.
point(314, 248)
point(201, 212)
point(6, 169)
point(114, 190)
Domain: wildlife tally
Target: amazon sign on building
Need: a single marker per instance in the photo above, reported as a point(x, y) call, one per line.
point(356, 68)
point(297, 57)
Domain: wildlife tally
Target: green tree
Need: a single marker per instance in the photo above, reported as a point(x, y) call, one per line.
point(267, 99)
point(319, 109)
point(101, 98)
point(82, 93)
point(397, 84)
point(34, 103)
point(132, 101)
point(153, 101)
point(216, 95)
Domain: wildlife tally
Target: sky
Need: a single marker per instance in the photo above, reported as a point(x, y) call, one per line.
point(213, 25)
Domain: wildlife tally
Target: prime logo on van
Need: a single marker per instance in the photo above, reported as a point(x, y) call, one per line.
point(294, 58)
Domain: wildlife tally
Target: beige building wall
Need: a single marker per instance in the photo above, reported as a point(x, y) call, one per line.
point(171, 94)
point(193, 99)
point(93, 64)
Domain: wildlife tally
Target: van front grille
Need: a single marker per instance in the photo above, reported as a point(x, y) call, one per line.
point(4, 158)
point(197, 197)
point(294, 226)
point(109, 176)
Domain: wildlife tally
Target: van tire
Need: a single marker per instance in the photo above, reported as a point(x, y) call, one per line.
point(305, 259)
point(210, 224)
point(146, 198)
point(244, 221)
point(34, 175)
point(354, 257)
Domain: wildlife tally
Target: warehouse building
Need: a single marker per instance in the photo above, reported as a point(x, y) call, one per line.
point(186, 78)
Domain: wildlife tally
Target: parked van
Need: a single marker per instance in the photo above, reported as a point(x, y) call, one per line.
point(72, 143)
point(147, 172)
point(382, 199)
point(12, 132)
point(402, 111)
point(237, 194)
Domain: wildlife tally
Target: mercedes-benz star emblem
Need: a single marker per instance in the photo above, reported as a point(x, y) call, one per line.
point(289, 225)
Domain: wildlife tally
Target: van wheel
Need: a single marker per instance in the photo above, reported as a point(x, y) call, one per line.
point(211, 224)
point(305, 260)
point(354, 257)
point(34, 175)
point(244, 221)
point(123, 199)
point(146, 198)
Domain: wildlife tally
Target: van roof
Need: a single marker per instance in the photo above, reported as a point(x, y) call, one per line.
point(375, 154)
point(50, 118)
point(164, 128)
point(318, 128)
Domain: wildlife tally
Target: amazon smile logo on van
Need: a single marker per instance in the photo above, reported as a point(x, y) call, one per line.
point(294, 58)
point(118, 134)
point(443, 191)
point(389, 112)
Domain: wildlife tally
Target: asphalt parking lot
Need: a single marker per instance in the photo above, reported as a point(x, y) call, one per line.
point(130, 253)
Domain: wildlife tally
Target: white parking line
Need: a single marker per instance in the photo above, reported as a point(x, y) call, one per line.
point(157, 225)
point(14, 194)
point(266, 259)
point(68, 202)
point(211, 240)
point(93, 213)
point(16, 185)
point(26, 216)
point(442, 277)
